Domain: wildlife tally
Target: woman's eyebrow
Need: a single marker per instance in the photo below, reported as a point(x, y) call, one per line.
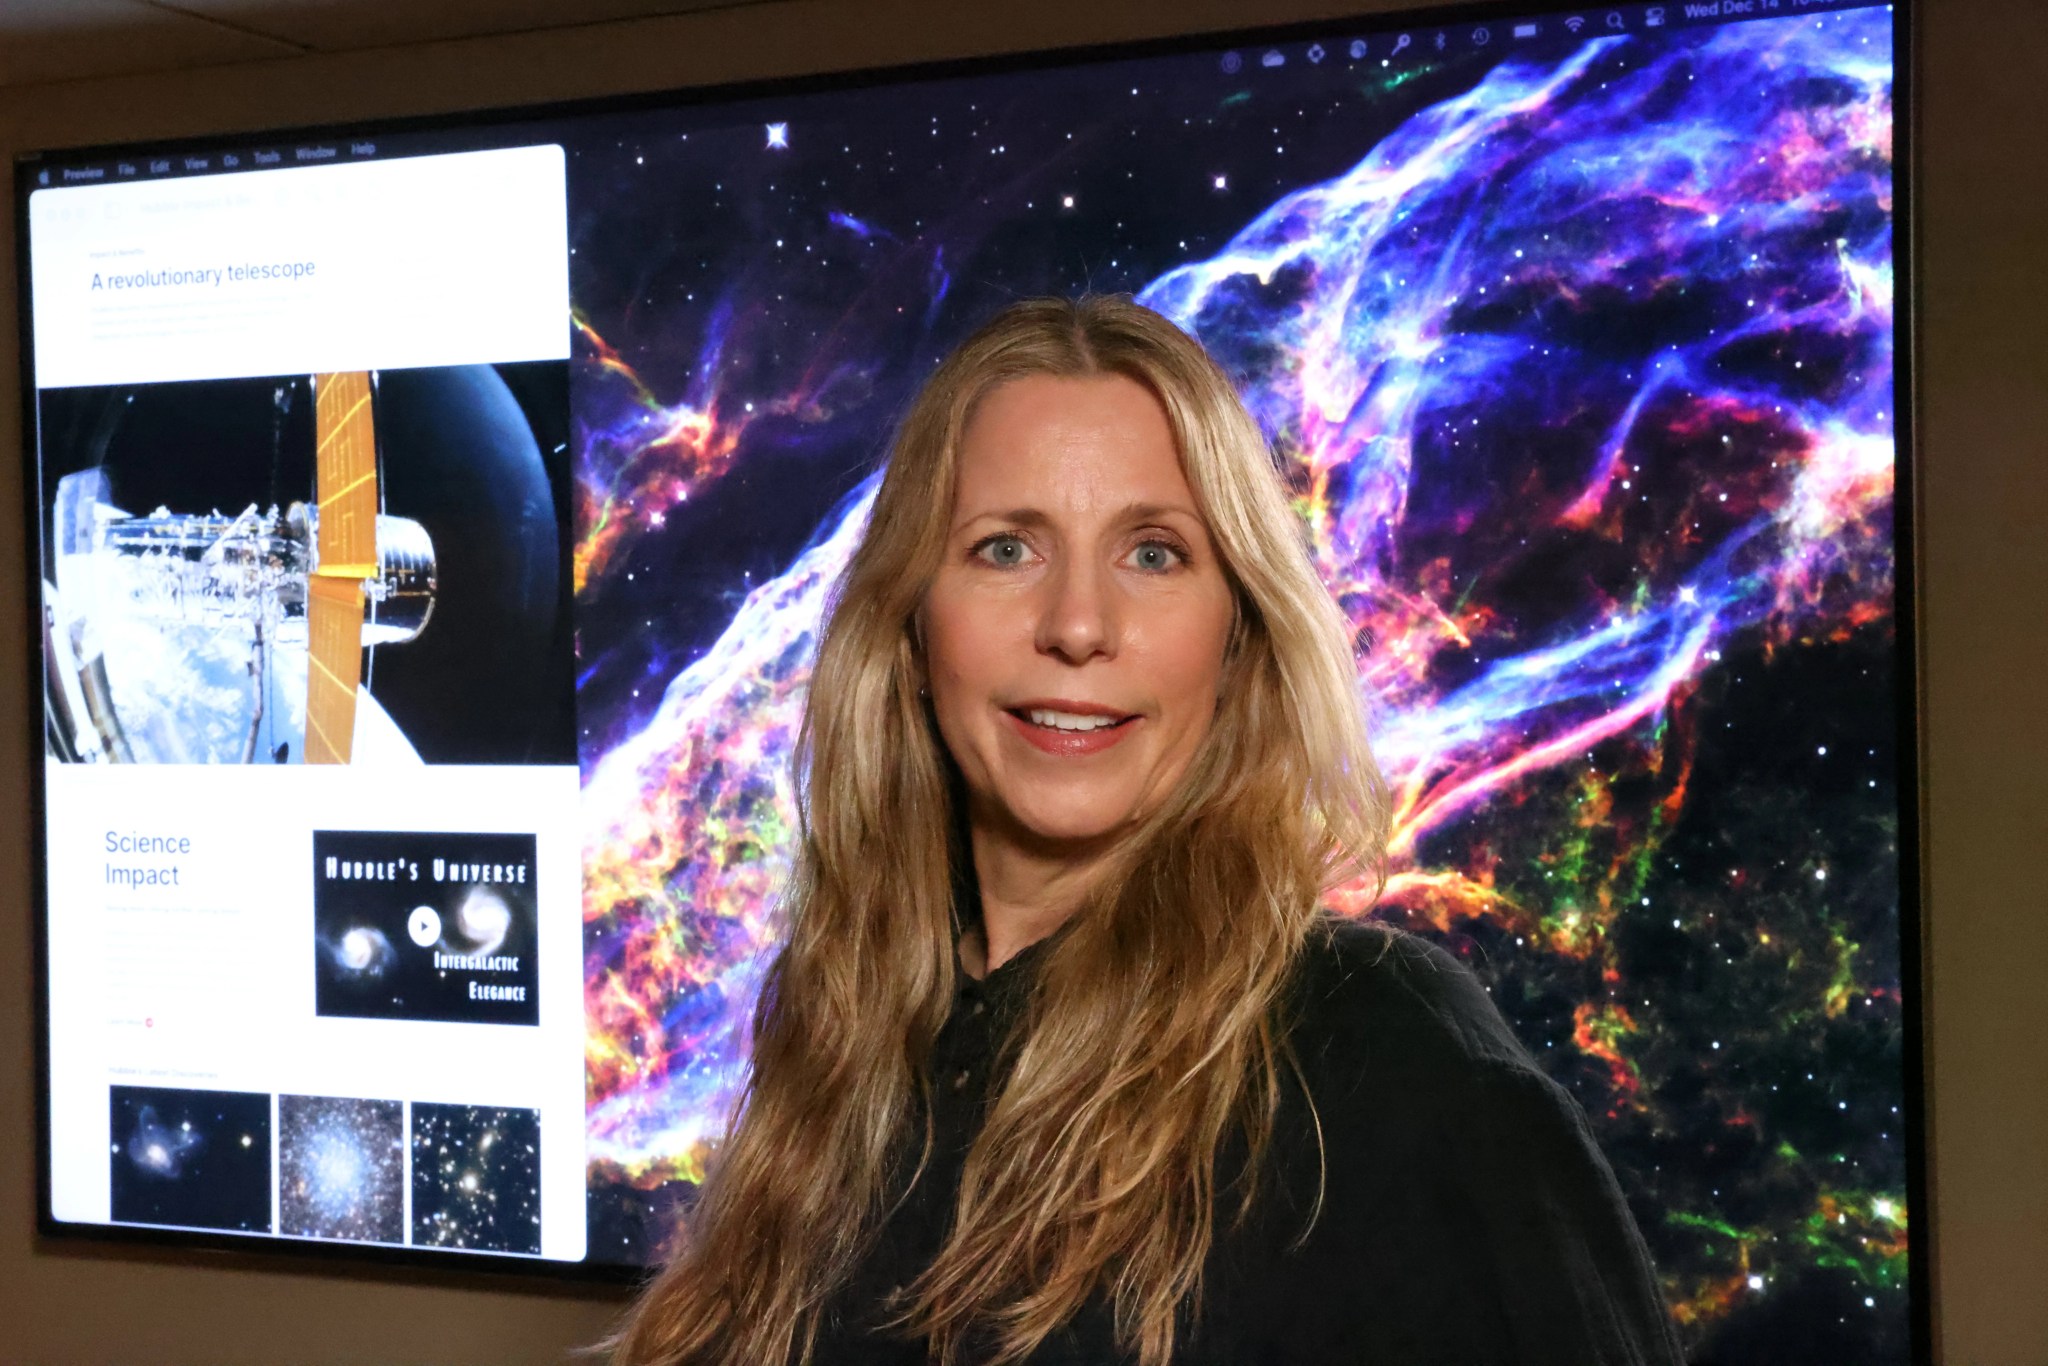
point(1029, 517)
point(1130, 512)
point(1152, 512)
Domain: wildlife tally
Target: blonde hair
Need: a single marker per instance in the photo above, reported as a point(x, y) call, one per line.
point(1152, 1027)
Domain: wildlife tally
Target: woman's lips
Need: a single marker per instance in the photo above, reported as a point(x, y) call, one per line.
point(1068, 743)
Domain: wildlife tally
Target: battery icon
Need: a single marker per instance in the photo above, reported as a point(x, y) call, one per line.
point(1525, 30)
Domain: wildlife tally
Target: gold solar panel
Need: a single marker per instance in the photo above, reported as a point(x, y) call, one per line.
point(334, 617)
point(345, 475)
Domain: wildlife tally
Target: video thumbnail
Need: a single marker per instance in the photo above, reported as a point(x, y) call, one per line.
point(476, 1178)
point(341, 1168)
point(193, 1159)
point(417, 926)
point(308, 568)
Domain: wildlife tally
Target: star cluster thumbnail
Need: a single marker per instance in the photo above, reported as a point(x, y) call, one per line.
point(341, 1168)
point(476, 1178)
point(190, 1159)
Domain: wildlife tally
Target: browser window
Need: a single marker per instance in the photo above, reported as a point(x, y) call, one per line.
point(312, 843)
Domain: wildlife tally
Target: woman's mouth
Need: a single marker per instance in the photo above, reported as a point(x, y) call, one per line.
point(1063, 731)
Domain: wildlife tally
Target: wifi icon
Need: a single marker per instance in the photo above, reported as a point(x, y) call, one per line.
point(1575, 22)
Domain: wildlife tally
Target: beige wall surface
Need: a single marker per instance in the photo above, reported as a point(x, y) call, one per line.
point(1982, 287)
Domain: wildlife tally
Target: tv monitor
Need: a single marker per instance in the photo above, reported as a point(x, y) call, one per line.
point(432, 522)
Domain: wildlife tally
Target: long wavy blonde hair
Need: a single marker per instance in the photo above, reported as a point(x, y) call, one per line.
point(1152, 1027)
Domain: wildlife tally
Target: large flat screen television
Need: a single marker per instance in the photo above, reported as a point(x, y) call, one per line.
point(430, 524)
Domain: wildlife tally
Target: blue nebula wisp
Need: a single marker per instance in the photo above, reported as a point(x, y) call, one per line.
point(1529, 268)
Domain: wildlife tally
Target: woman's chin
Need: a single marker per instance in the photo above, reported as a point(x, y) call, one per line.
point(1069, 825)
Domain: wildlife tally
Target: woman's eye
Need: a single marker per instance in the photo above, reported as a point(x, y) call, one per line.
point(1005, 552)
point(1155, 557)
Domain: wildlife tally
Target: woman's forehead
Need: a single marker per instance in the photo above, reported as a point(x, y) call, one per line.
point(1075, 443)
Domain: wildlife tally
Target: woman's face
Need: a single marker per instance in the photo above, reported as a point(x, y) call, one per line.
point(1074, 635)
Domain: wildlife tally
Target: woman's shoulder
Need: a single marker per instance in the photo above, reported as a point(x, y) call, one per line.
point(1372, 998)
point(1437, 1132)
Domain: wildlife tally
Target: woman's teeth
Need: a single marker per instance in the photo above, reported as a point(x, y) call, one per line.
point(1066, 720)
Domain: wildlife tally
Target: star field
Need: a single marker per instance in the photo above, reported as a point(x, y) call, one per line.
point(341, 1168)
point(476, 1178)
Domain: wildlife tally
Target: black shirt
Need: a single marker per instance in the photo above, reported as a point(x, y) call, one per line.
point(1468, 1219)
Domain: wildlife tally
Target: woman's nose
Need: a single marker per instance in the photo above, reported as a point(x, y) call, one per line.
point(1078, 618)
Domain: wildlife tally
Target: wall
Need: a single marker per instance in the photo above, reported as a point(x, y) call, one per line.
point(1983, 409)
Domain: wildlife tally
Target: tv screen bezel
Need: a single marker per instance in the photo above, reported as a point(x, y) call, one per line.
point(514, 125)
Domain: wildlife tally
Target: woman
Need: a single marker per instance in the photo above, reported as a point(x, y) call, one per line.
point(1060, 1062)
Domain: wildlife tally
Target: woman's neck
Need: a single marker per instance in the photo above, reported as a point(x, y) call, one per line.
point(1027, 892)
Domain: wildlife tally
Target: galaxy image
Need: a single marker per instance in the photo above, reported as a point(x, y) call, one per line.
point(192, 1159)
point(476, 1178)
point(1579, 357)
point(341, 1168)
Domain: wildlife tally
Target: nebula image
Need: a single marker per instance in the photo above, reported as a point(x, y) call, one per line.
point(476, 1178)
point(341, 1168)
point(190, 1159)
point(1578, 359)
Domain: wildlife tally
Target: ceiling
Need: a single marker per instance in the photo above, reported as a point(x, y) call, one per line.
point(64, 40)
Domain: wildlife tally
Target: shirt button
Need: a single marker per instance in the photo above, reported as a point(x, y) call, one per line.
point(960, 1080)
point(978, 1009)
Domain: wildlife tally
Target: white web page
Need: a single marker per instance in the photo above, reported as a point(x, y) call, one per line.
point(434, 260)
point(366, 970)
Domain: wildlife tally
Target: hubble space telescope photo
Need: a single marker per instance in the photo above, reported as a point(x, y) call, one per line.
point(364, 567)
point(421, 926)
point(190, 1159)
point(476, 1178)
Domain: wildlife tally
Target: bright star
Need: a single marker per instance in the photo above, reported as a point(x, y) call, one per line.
point(778, 135)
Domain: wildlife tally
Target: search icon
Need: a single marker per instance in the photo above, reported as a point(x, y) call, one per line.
point(1614, 19)
point(1400, 43)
